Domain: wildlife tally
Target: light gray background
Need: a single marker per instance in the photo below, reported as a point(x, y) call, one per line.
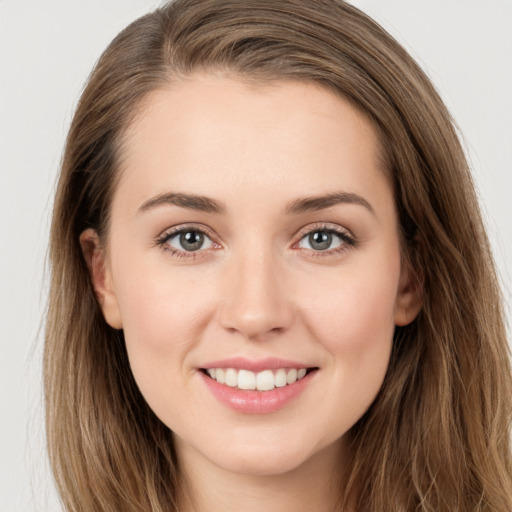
point(47, 49)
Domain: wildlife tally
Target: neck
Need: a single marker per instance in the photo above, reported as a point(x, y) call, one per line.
point(314, 485)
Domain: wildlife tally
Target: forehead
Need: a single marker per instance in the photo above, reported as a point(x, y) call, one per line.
point(210, 134)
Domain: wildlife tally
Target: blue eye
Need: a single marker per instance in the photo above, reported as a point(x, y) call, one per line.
point(187, 240)
point(325, 239)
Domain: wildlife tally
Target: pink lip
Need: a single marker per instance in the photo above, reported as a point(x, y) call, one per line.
point(241, 363)
point(256, 402)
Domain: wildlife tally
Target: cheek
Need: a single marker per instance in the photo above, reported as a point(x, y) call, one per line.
point(354, 322)
point(356, 313)
point(164, 315)
point(161, 327)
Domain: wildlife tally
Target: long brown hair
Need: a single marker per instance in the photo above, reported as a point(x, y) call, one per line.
point(437, 438)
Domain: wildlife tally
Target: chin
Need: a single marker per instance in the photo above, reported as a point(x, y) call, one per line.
point(262, 463)
point(267, 458)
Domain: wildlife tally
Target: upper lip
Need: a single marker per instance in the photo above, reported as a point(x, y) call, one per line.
point(254, 365)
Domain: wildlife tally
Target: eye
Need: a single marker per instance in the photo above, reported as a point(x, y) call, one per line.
point(185, 240)
point(326, 239)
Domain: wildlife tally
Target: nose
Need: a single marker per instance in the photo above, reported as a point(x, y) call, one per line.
point(257, 303)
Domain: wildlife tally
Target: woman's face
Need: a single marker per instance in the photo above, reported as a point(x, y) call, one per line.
point(254, 237)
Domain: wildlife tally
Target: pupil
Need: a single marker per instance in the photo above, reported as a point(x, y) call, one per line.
point(320, 240)
point(191, 240)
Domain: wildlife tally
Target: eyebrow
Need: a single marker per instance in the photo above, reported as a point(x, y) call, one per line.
point(315, 203)
point(209, 205)
point(191, 201)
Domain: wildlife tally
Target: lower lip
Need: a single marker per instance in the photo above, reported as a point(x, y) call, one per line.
point(257, 402)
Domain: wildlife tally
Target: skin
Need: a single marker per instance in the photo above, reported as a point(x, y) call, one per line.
point(258, 289)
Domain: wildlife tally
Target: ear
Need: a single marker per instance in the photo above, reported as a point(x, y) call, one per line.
point(101, 277)
point(409, 299)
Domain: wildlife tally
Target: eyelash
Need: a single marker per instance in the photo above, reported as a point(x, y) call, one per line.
point(176, 253)
point(347, 240)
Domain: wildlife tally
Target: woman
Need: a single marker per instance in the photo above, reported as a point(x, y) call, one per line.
point(271, 286)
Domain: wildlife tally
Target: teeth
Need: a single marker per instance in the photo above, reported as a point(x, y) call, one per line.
point(291, 377)
point(261, 381)
point(220, 375)
point(231, 377)
point(280, 378)
point(265, 381)
point(246, 380)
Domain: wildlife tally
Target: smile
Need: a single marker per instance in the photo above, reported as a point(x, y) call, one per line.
point(256, 387)
point(265, 380)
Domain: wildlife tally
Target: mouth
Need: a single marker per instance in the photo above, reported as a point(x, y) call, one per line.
point(257, 386)
point(265, 380)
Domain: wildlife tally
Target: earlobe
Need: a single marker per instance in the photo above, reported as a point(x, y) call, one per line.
point(409, 298)
point(101, 277)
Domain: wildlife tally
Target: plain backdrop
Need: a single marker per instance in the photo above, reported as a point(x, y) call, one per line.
point(47, 49)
